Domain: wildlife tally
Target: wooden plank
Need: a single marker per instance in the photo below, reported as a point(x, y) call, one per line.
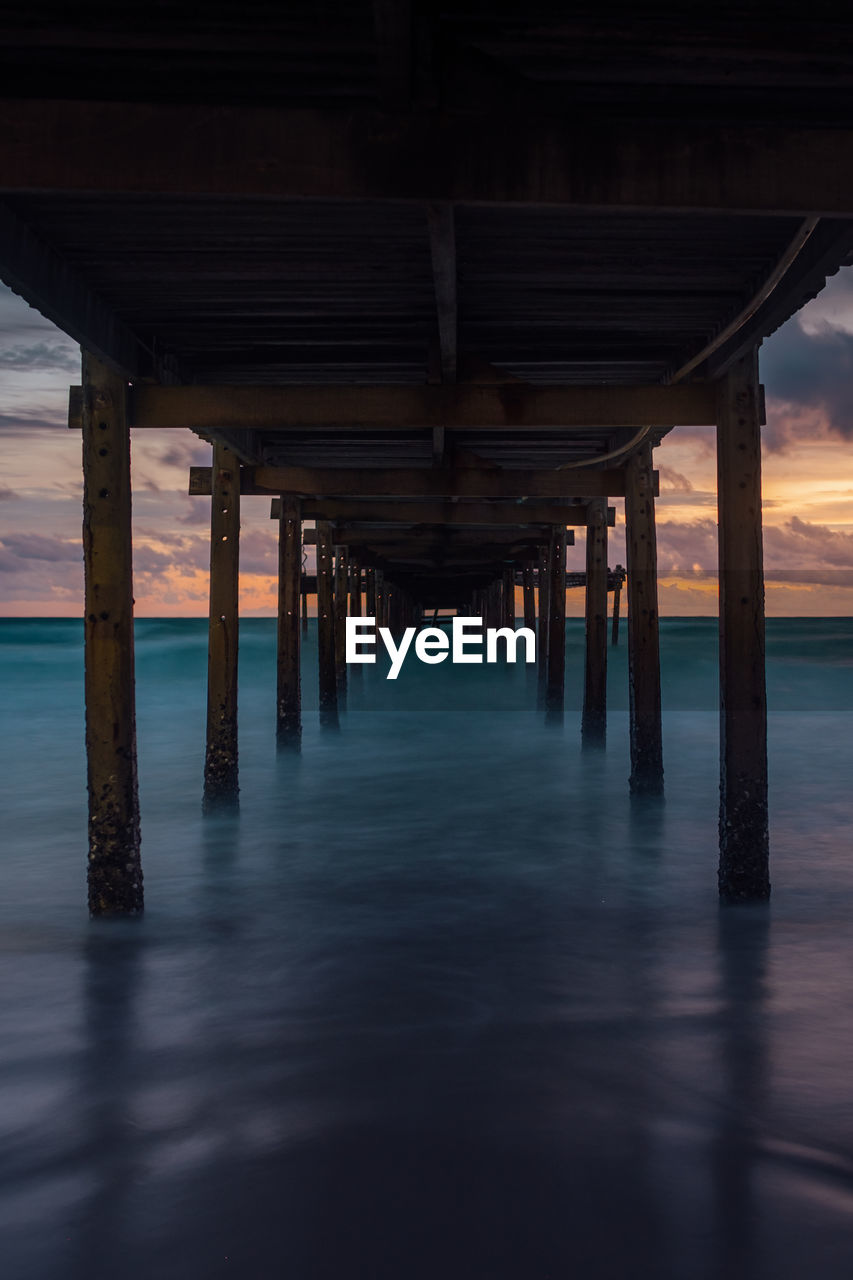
point(443, 513)
point(442, 243)
point(288, 682)
point(643, 638)
point(498, 154)
point(619, 578)
point(509, 597)
point(370, 592)
point(446, 540)
point(341, 602)
point(464, 406)
point(542, 630)
point(529, 596)
point(555, 692)
point(594, 719)
point(114, 865)
point(326, 629)
point(39, 274)
point(221, 777)
point(400, 482)
point(744, 871)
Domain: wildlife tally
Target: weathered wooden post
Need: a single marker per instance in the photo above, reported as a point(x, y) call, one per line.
point(289, 687)
point(508, 597)
point(326, 628)
point(542, 634)
point(341, 603)
point(555, 692)
point(370, 592)
point(744, 872)
point(594, 720)
point(619, 576)
point(643, 639)
point(221, 774)
point(528, 596)
point(303, 599)
point(114, 865)
point(355, 590)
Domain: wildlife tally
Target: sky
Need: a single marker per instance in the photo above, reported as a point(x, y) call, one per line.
point(807, 369)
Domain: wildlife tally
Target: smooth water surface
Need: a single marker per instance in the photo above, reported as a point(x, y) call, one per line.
point(441, 1001)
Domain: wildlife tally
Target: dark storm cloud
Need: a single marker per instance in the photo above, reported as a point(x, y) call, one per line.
point(811, 374)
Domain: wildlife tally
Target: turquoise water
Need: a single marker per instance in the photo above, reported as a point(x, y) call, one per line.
point(441, 1001)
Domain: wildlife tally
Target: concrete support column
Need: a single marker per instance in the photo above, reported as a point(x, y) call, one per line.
point(289, 686)
point(744, 873)
point(643, 639)
point(221, 779)
point(114, 866)
point(594, 721)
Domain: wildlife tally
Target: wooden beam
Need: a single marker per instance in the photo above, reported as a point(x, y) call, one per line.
point(451, 514)
point(392, 22)
point(643, 638)
point(529, 596)
point(114, 865)
point(555, 692)
point(594, 719)
point(393, 482)
point(542, 631)
point(288, 683)
point(45, 279)
point(442, 243)
point(744, 873)
point(221, 781)
point(326, 630)
point(470, 407)
point(448, 540)
point(341, 603)
point(496, 155)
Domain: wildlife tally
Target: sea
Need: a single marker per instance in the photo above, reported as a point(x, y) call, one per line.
point(441, 1001)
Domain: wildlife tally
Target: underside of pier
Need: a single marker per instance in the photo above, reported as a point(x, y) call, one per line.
point(436, 281)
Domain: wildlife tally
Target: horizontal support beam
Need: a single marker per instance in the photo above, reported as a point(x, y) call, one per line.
point(493, 156)
point(468, 407)
point(400, 482)
point(443, 513)
point(448, 541)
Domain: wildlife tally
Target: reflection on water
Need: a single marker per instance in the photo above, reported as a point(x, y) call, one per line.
point(442, 1001)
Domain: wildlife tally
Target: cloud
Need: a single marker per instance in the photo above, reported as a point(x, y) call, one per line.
point(25, 424)
point(35, 546)
point(801, 544)
point(809, 382)
point(686, 546)
point(7, 495)
point(39, 357)
point(672, 481)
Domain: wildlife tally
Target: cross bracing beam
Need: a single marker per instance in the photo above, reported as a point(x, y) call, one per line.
point(443, 513)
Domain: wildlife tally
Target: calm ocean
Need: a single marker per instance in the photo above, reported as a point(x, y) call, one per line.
point(442, 1003)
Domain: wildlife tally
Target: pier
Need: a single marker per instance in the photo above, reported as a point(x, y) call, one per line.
point(439, 307)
